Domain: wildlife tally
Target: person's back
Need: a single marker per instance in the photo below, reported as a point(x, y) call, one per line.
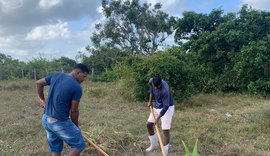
point(63, 89)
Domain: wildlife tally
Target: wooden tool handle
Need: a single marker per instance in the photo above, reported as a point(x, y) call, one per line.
point(158, 134)
point(95, 146)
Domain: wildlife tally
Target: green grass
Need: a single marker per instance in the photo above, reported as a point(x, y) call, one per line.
point(119, 126)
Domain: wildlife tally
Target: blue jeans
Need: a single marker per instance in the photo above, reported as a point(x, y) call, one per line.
point(59, 132)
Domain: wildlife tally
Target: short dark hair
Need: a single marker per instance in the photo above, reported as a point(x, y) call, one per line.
point(82, 67)
point(156, 81)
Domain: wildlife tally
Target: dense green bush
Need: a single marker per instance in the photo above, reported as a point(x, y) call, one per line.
point(125, 76)
point(108, 76)
point(259, 87)
point(174, 71)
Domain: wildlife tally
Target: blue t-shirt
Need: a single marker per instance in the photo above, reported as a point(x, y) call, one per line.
point(63, 89)
point(163, 97)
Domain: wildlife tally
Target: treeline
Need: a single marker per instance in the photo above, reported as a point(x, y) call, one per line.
point(213, 52)
point(34, 69)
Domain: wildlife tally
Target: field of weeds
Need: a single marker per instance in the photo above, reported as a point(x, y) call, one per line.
point(225, 124)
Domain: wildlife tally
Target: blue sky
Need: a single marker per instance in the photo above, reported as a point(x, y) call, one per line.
point(55, 28)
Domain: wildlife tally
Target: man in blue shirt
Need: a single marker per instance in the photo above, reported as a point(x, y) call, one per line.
point(63, 102)
point(163, 109)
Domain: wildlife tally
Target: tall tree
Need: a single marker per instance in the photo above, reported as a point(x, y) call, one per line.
point(132, 27)
point(101, 59)
point(227, 50)
point(193, 24)
point(65, 63)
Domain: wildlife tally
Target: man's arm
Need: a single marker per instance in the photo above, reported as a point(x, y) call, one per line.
point(74, 112)
point(166, 104)
point(40, 90)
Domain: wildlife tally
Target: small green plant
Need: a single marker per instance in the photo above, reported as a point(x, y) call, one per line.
point(195, 149)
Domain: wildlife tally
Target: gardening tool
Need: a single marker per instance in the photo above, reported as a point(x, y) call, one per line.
point(95, 146)
point(158, 134)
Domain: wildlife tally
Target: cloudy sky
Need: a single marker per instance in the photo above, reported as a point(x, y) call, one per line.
point(55, 28)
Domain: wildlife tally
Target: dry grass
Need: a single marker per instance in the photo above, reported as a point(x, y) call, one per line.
point(118, 126)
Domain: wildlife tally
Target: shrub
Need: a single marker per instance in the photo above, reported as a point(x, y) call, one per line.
point(259, 87)
point(174, 71)
point(108, 76)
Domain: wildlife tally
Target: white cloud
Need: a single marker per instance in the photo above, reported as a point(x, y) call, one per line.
point(8, 7)
point(5, 41)
point(16, 42)
point(82, 37)
point(20, 53)
point(49, 53)
point(27, 55)
point(49, 32)
point(258, 4)
point(11, 4)
point(99, 10)
point(27, 14)
point(46, 4)
point(59, 24)
point(167, 5)
point(172, 7)
point(18, 48)
point(82, 49)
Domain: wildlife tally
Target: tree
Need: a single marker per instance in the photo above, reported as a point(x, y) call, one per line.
point(4, 58)
point(193, 24)
point(101, 59)
point(10, 68)
point(226, 52)
point(251, 65)
point(133, 28)
point(65, 63)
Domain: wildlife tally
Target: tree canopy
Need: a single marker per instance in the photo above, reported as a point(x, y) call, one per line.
point(133, 28)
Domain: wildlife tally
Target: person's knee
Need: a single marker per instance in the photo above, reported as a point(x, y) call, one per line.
point(149, 125)
point(80, 146)
point(73, 152)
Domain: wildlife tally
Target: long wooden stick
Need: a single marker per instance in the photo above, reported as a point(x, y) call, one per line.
point(158, 134)
point(96, 147)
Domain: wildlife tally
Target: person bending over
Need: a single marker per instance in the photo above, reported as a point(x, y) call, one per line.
point(163, 108)
point(61, 109)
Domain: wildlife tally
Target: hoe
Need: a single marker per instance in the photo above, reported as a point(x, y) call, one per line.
point(158, 134)
point(95, 146)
